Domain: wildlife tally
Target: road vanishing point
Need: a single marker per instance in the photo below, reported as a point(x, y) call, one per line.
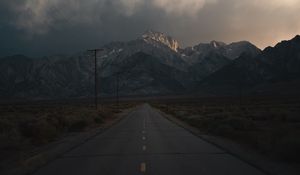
point(145, 142)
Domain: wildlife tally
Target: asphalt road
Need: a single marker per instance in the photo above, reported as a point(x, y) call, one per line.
point(147, 143)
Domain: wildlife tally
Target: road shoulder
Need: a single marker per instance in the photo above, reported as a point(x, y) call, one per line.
point(54, 150)
point(245, 154)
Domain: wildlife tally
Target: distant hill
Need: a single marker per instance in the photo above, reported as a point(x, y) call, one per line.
point(154, 63)
point(276, 70)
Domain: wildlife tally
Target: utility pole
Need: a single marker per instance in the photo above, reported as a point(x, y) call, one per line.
point(118, 80)
point(96, 76)
point(241, 93)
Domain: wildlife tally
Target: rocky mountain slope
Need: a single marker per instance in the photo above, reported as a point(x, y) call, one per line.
point(151, 64)
point(276, 70)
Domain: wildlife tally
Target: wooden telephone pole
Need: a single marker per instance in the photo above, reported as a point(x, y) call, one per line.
point(96, 75)
point(118, 80)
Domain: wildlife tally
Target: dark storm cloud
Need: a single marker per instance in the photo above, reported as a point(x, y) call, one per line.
point(41, 27)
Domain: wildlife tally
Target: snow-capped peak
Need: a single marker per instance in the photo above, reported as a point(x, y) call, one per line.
point(217, 44)
point(161, 38)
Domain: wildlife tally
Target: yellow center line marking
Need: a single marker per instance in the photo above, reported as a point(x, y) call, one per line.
point(144, 138)
point(144, 148)
point(143, 167)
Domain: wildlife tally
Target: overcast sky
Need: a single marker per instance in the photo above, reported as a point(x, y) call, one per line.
point(43, 27)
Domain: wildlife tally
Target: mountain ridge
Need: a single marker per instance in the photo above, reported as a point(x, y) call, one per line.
point(254, 74)
point(205, 67)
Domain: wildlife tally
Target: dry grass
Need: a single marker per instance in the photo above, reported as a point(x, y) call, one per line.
point(269, 126)
point(24, 128)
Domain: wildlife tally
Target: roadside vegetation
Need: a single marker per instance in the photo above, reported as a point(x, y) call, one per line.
point(270, 126)
point(24, 128)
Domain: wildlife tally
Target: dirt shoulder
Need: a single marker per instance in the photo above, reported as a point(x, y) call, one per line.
point(35, 153)
point(240, 150)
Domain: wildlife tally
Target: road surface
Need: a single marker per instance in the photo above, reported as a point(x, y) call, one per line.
point(146, 143)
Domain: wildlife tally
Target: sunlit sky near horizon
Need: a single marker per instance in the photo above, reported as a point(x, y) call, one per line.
point(43, 27)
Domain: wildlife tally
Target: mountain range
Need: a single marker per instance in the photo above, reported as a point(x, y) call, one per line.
point(152, 64)
point(275, 71)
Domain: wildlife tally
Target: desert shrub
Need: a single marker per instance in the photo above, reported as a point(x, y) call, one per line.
point(5, 125)
point(78, 126)
point(98, 120)
point(105, 114)
point(100, 117)
point(54, 120)
point(239, 123)
point(277, 115)
point(39, 131)
point(162, 107)
point(44, 131)
point(60, 121)
point(193, 120)
point(229, 127)
point(260, 116)
point(233, 108)
point(219, 109)
point(293, 117)
point(222, 130)
point(181, 114)
point(9, 135)
point(201, 123)
point(10, 140)
point(218, 116)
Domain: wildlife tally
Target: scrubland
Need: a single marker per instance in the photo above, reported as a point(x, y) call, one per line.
point(25, 128)
point(271, 126)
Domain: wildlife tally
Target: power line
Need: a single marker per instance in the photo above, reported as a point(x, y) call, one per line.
point(96, 76)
